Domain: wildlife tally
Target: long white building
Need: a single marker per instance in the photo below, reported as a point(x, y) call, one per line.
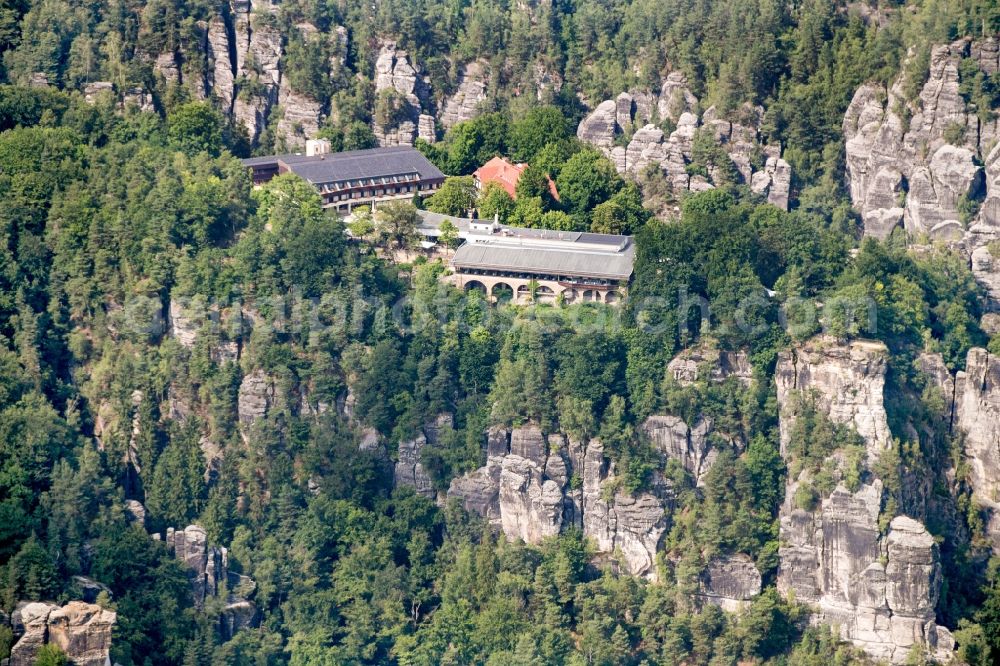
point(517, 263)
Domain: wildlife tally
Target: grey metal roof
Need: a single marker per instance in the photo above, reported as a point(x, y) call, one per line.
point(354, 164)
point(431, 221)
point(568, 261)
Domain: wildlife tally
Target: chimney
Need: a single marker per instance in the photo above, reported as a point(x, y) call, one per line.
point(316, 147)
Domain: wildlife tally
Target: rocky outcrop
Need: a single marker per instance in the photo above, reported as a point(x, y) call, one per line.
point(688, 444)
point(94, 90)
point(300, 119)
point(135, 512)
point(81, 630)
point(395, 72)
point(879, 588)
point(210, 576)
point(409, 471)
point(184, 323)
point(222, 73)
point(464, 103)
point(711, 364)
point(847, 382)
point(642, 117)
point(773, 181)
point(676, 98)
point(880, 591)
point(601, 126)
point(254, 101)
point(190, 317)
point(534, 485)
point(256, 396)
point(730, 582)
point(300, 115)
point(986, 270)
point(918, 162)
point(977, 417)
point(675, 440)
point(479, 491)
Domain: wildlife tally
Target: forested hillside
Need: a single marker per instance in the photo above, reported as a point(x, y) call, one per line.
point(232, 433)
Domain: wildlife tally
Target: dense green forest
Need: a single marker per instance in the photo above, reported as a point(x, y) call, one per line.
point(110, 214)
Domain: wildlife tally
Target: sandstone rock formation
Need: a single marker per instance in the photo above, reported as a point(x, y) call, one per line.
point(879, 589)
point(89, 589)
point(256, 396)
point(535, 485)
point(847, 381)
point(714, 365)
point(977, 417)
point(927, 164)
point(184, 323)
point(730, 582)
point(641, 115)
point(300, 114)
point(81, 630)
point(95, 89)
point(464, 103)
point(409, 471)
point(675, 440)
point(210, 577)
point(394, 71)
point(136, 512)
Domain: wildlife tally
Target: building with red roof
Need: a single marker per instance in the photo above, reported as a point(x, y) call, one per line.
point(504, 173)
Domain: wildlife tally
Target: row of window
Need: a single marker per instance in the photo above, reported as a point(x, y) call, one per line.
point(369, 182)
point(378, 192)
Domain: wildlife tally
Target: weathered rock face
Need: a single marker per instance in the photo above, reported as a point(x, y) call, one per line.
point(847, 381)
point(409, 471)
point(637, 113)
point(880, 589)
point(301, 115)
point(395, 71)
point(95, 89)
point(464, 103)
point(222, 74)
point(256, 396)
point(534, 486)
point(689, 444)
point(915, 162)
point(183, 326)
point(675, 440)
point(240, 64)
point(479, 491)
point(715, 365)
point(977, 416)
point(730, 582)
point(600, 127)
point(81, 630)
point(210, 577)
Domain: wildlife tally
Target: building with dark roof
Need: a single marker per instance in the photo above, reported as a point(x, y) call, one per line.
point(355, 177)
point(543, 264)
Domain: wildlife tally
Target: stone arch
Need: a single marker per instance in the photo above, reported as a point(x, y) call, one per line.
point(545, 294)
point(477, 285)
point(612, 296)
point(502, 292)
point(590, 296)
point(569, 295)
